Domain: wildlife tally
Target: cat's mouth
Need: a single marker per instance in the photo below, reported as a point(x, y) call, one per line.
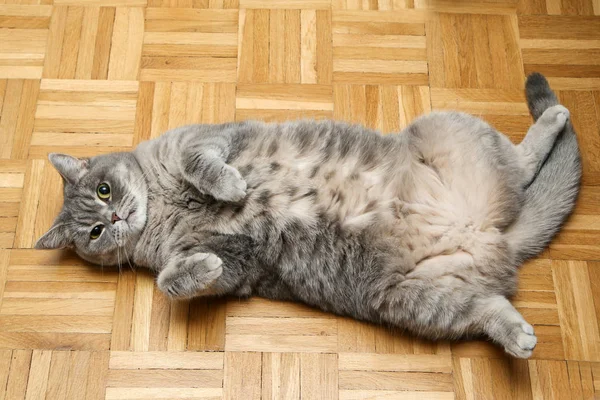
point(127, 216)
point(132, 212)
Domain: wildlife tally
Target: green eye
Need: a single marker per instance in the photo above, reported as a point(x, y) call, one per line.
point(103, 191)
point(96, 231)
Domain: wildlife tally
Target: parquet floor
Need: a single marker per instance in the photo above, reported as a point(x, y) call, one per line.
point(87, 77)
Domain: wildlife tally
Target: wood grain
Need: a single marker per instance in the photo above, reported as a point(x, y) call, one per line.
point(89, 77)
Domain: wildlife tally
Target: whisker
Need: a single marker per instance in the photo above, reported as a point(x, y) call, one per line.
point(118, 255)
point(128, 261)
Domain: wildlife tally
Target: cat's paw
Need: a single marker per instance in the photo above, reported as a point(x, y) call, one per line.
point(555, 117)
point(522, 341)
point(230, 186)
point(190, 276)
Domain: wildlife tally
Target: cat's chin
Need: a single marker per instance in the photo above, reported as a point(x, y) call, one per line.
point(116, 258)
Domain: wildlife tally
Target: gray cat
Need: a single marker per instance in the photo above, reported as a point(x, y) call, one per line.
point(422, 230)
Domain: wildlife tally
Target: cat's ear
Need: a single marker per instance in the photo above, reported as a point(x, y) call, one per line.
point(57, 237)
point(70, 168)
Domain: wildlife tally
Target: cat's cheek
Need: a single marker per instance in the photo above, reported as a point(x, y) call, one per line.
point(137, 223)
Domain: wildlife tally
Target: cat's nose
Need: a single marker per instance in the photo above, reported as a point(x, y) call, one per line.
point(114, 218)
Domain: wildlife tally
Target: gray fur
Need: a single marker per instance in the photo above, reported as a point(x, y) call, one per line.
point(423, 230)
point(559, 179)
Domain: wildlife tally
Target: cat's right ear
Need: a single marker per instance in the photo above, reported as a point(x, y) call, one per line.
point(57, 237)
point(70, 168)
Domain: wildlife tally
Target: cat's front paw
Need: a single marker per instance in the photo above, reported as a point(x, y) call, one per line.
point(230, 186)
point(191, 276)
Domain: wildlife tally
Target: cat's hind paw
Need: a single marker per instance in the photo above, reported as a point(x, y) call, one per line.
point(555, 117)
point(522, 341)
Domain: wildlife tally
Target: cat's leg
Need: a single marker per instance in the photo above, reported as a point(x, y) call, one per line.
point(540, 138)
point(500, 321)
point(445, 308)
point(450, 296)
point(191, 276)
point(205, 168)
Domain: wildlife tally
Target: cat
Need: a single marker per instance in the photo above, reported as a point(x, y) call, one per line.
point(422, 230)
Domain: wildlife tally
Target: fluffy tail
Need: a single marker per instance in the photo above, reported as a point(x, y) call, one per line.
point(551, 196)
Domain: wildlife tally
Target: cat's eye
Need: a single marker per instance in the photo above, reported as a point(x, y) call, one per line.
point(96, 231)
point(103, 191)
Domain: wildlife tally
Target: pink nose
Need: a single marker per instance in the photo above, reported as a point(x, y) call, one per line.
point(114, 218)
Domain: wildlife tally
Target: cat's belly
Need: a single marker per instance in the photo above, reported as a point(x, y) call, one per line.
point(443, 215)
point(420, 207)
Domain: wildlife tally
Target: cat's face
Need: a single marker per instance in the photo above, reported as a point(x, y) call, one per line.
point(104, 211)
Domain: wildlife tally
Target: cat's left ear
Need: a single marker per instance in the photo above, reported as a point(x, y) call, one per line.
point(57, 237)
point(70, 168)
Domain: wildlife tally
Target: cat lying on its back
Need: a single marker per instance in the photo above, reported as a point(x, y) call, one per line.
point(423, 230)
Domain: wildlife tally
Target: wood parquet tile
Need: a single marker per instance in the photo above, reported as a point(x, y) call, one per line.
point(87, 77)
point(379, 47)
point(179, 45)
point(23, 33)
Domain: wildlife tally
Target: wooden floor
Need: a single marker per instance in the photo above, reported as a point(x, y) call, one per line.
point(87, 77)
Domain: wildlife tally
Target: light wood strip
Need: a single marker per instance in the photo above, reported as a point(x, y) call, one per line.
point(206, 325)
point(27, 212)
point(165, 360)
point(178, 326)
point(18, 377)
point(319, 379)
point(360, 380)
point(378, 362)
point(286, 4)
point(25, 306)
point(56, 323)
point(281, 343)
point(5, 361)
point(79, 365)
point(55, 273)
point(4, 257)
point(58, 375)
point(126, 46)
point(576, 308)
point(142, 308)
point(281, 375)
point(97, 375)
point(38, 374)
point(242, 376)
point(163, 392)
point(123, 312)
point(165, 378)
point(281, 326)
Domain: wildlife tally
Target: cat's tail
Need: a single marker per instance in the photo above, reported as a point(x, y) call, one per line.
point(551, 196)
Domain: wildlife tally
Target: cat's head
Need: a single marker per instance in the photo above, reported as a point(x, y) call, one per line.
point(104, 210)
